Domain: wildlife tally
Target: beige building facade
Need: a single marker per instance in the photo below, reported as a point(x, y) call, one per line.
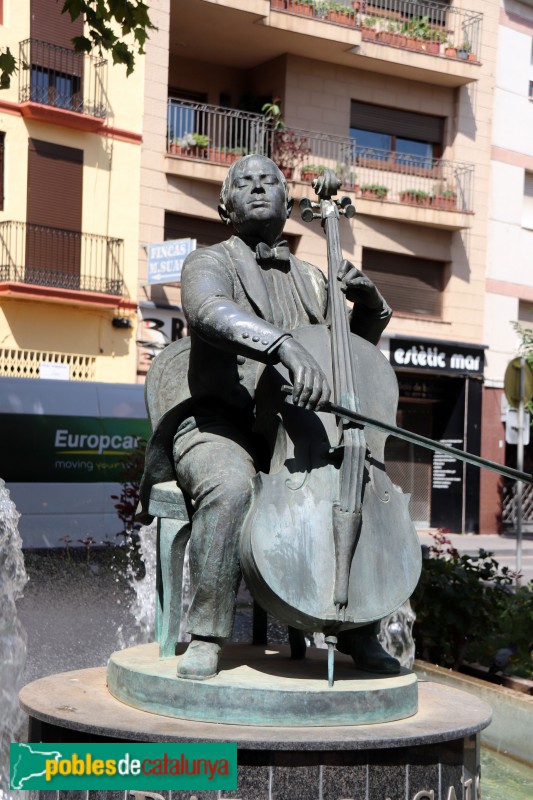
point(509, 275)
point(397, 98)
point(70, 135)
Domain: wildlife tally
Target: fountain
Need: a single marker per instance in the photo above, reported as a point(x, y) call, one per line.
point(12, 635)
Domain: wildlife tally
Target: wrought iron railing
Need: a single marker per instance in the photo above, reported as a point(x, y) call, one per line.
point(54, 257)
point(509, 510)
point(420, 25)
point(222, 135)
point(213, 133)
point(57, 76)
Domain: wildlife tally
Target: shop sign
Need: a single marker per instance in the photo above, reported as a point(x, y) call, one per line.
point(165, 260)
point(158, 326)
point(67, 449)
point(448, 358)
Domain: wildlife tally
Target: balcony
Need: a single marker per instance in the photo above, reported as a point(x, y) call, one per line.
point(59, 85)
point(60, 262)
point(259, 31)
point(429, 27)
point(203, 140)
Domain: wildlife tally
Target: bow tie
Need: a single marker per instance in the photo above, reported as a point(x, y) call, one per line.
point(280, 252)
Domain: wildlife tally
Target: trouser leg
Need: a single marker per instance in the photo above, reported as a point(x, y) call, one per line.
point(215, 468)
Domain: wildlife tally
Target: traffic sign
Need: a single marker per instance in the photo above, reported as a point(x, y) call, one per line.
point(511, 383)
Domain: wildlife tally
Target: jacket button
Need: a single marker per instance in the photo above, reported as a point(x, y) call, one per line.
point(265, 341)
point(255, 338)
point(241, 360)
point(246, 336)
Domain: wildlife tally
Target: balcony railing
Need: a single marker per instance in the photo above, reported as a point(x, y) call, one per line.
point(222, 135)
point(59, 77)
point(53, 257)
point(213, 133)
point(426, 27)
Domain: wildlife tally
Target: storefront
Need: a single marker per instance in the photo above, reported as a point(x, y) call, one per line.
point(440, 397)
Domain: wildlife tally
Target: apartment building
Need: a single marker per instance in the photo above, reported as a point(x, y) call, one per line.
point(70, 136)
point(509, 276)
point(396, 96)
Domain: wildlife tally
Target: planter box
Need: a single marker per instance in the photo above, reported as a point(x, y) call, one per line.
point(369, 34)
point(371, 194)
point(222, 156)
point(392, 39)
point(342, 18)
point(278, 5)
point(300, 8)
point(430, 47)
point(410, 200)
point(450, 52)
point(308, 175)
point(444, 203)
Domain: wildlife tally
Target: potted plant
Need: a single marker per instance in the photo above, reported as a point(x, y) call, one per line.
point(288, 151)
point(306, 7)
point(341, 14)
point(310, 172)
point(444, 199)
point(368, 29)
point(278, 5)
point(392, 35)
point(373, 191)
point(414, 197)
point(450, 50)
point(464, 49)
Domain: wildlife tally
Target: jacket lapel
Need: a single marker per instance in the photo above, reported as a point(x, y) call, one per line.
point(250, 276)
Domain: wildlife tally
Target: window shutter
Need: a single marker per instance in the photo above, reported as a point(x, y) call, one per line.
point(48, 24)
point(392, 121)
point(409, 285)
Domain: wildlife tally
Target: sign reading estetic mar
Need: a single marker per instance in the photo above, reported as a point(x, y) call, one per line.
point(437, 356)
point(62, 449)
point(125, 767)
point(165, 259)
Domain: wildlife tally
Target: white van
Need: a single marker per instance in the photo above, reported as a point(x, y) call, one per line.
point(62, 449)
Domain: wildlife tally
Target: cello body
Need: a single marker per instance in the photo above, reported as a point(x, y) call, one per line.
point(288, 544)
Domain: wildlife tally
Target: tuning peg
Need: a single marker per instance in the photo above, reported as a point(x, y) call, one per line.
point(306, 209)
point(346, 206)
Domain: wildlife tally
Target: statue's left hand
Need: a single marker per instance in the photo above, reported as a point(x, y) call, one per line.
point(358, 287)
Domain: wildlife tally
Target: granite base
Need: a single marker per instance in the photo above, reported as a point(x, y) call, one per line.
point(432, 755)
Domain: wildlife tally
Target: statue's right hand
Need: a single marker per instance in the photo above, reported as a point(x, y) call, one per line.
point(310, 386)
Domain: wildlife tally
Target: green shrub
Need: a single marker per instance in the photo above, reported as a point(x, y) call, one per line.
point(467, 608)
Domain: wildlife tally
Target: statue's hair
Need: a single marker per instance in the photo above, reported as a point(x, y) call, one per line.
point(225, 191)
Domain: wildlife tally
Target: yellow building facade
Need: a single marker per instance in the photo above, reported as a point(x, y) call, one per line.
point(70, 130)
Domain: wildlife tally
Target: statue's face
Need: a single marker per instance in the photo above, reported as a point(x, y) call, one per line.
point(257, 202)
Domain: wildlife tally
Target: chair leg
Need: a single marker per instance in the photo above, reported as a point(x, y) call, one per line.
point(172, 538)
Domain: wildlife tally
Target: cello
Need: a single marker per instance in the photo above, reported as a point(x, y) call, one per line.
point(328, 543)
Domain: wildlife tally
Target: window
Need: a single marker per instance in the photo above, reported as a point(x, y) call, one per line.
point(531, 90)
point(395, 136)
point(55, 89)
point(527, 208)
point(2, 162)
point(409, 285)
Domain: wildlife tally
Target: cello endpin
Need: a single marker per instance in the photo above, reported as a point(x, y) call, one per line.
point(331, 641)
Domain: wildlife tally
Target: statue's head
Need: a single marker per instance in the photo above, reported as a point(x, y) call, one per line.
point(255, 199)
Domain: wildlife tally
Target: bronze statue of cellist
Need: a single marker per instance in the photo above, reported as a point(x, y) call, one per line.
point(243, 299)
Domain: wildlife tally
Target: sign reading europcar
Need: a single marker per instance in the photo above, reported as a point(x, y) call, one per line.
point(165, 260)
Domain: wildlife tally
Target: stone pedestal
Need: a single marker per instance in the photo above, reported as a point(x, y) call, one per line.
point(431, 755)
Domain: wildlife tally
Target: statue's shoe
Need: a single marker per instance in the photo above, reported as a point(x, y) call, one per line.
point(368, 654)
point(200, 660)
